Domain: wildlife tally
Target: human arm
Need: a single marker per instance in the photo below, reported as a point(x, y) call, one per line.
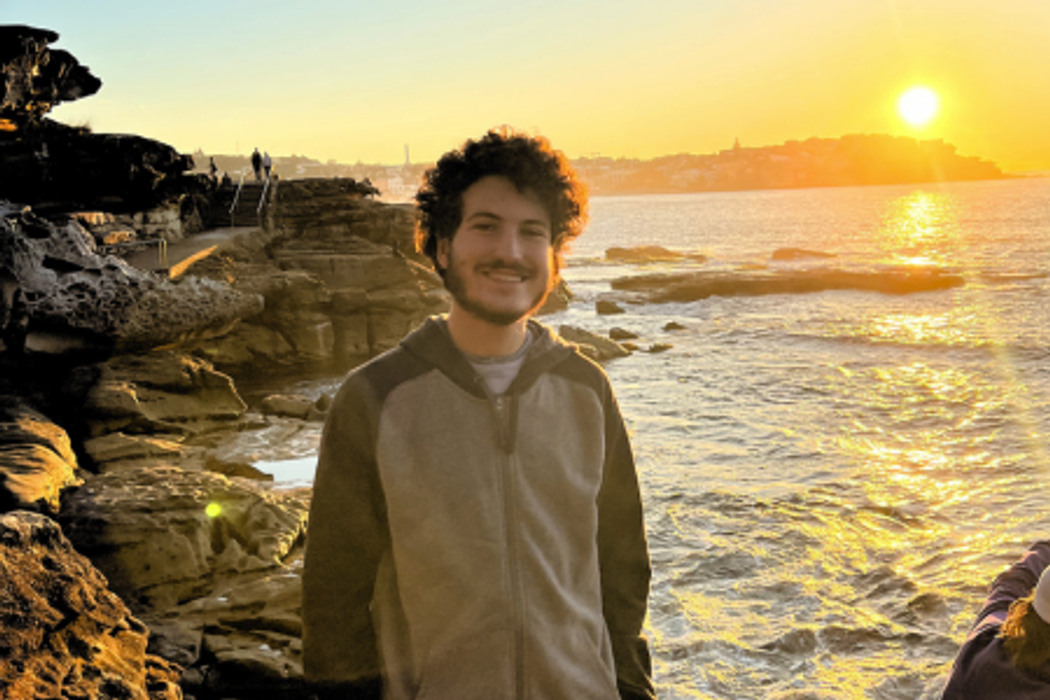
point(346, 537)
point(624, 560)
point(1016, 582)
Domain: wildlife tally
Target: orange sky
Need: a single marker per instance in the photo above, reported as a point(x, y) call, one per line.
point(330, 80)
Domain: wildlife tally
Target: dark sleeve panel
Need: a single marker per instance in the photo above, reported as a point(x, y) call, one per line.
point(348, 535)
point(622, 546)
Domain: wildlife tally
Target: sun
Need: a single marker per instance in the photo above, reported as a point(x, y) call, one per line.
point(918, 106)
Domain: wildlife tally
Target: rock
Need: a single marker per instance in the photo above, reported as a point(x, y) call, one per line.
point(37, 461)
point(244, 636)
point(240, 469)
point(659, 347)
point(65, 634)
point(650, 254)
point(799, 254)
point(76, 301)
point(616, 333)
point(163, 535)
point(686, 287)
point(286, 405)
point(557, 300)
point(606, 307)
point(603, 348)
point(673, 326)
point(164, 392)
point(115, 447)
point(38, 78)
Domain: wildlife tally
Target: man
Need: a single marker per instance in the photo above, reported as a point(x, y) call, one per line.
point(476, 528)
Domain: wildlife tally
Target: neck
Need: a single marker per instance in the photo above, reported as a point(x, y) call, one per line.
point(484, 339)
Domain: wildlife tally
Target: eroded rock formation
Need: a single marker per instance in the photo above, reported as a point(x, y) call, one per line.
point(64, 633)
point(60, 296)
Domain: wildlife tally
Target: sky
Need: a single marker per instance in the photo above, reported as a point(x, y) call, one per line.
point(359, 81)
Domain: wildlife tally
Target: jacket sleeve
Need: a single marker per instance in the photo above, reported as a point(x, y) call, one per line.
point(1016, 582)
point(624, 560)
point(346, 538)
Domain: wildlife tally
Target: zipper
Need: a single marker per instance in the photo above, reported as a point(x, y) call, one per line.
point(510, 510)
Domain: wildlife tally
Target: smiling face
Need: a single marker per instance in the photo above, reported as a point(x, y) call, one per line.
point(499, 264)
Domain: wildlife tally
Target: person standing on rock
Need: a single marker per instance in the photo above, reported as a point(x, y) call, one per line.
point(476, 528)
point(257, 164)
point(267, 163)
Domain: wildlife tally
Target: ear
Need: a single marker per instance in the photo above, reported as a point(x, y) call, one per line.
point(444, 245)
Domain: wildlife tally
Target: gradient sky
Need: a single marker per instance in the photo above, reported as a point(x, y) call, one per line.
point(351, 80)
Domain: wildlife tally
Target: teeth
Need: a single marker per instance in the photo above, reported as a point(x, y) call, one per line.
point(505, 277)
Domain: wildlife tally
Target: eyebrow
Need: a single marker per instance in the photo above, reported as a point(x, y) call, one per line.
point(497, 217)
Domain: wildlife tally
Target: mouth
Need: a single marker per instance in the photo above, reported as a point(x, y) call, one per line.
point(503, 274)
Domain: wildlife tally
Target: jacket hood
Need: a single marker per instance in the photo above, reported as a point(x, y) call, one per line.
point(433, 344)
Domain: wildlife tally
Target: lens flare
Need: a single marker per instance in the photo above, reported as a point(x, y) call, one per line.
point(213, 510)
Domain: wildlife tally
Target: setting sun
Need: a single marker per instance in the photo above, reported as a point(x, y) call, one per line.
point(918, 106)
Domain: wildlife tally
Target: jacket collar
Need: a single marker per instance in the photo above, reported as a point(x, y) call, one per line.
point(433, 344)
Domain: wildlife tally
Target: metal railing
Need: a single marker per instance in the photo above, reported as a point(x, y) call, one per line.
point(162, 249)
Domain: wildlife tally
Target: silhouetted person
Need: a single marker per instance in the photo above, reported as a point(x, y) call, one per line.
point(213, 172)
point(267, 163)
point(257, 164)
point(1007, 654)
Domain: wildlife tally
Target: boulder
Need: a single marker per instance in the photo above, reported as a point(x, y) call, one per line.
point(36, 459)
point(593, 345)
point(70, 299)
point(287, 405)
point(65, 634)
point(160, 392)
point(616, 333)
point(37, 78)
point(163, 535)
point(604, 307)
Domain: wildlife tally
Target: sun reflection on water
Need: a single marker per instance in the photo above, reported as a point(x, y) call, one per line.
point(921, 228)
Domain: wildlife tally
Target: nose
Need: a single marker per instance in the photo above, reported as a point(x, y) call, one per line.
point(509, 244)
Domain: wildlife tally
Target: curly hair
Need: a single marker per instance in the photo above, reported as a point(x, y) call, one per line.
point(1026, 637)
point(527, 161)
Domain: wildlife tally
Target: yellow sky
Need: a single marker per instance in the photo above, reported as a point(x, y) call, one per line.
point(353, 81)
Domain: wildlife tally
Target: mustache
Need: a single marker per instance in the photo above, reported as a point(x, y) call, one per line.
point(507, 266)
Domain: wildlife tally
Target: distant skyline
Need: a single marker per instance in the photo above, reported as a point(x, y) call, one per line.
point(354, 81)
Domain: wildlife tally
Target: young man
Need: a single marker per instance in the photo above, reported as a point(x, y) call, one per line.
point(476, 528)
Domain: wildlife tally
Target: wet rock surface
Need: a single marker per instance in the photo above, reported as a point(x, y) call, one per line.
point(686, 287)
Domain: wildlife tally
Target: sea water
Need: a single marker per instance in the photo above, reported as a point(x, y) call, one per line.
point(832, 479)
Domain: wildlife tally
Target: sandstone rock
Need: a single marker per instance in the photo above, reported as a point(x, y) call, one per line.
point(159, 392)
point(248, 629)
point(75, 300)
point(686, 287)
point(118, 446)
point(673, 326)
point(65, 634)
point(163, 535)
point(36, 459)
point(616, 333)
point(603, 348)
point(605, 307)
point(659, 347)
point(37, 78)
point(286, 405)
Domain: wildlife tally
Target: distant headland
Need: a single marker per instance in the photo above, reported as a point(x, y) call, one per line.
point(854, 159)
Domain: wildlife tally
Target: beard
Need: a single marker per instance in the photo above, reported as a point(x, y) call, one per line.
point(457, 287)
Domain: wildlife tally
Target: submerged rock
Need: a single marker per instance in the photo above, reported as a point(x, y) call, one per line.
point(593, 345)
point(65, 634)
point(691, 286)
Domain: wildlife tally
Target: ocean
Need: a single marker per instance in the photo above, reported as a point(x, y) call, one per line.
point(831, 479)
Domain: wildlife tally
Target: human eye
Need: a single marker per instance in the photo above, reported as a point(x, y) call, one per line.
point(536, 233)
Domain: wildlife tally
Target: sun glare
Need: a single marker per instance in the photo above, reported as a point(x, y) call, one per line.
point(918, 106)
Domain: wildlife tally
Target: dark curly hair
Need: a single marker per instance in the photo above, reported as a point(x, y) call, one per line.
point(527, 161)
point(1026, 638)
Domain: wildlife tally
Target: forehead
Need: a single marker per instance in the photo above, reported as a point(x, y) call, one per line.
point(497, 196)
